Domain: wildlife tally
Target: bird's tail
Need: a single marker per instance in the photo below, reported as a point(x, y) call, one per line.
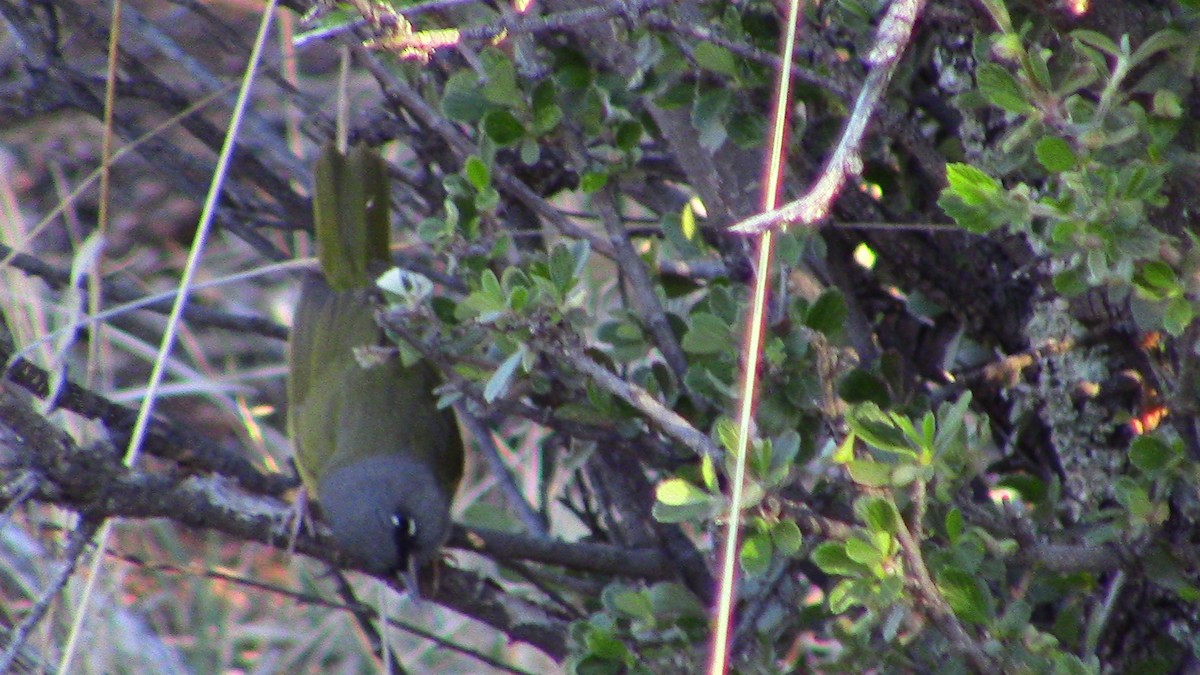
point(350, 207)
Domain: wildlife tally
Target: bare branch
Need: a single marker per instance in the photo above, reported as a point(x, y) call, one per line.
point(894, 33)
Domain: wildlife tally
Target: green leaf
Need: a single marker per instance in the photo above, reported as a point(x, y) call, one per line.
point(1157, 281)
point(708, 473)
point(975, 219)
point(759, 461)
point(591, 664)
point(531, 151)
point(498, 383)
point(677, 96)
point(709, 115)
point(786, 448)
point(1097, 41)
point(1132, 496)
point(632, 603)
point(546, 119)
point(831, 558)
point(787, 537)
point(687, 220)
point(755, 556)
point(966, 595)
point(477, 172)
point(868, 473)
point(462, 100)
point(502, 127)
point(879, 429)
point(488, 303)
point(1167, 104)
point(828, 314)
point(628, 135)
point(1039, 68)
point(1055, 154)
point(1179, 315)
point(571, 70)
point(672, 600)
point(708, 334)
point(500, 86)
point(679, 492)
point(1002, 89)
point(904, 474)
point(727, 433)
point(1151, 454)
point(973, 186)
point(859, 386)
point(562, 269)
point(591, 181)
point(954, 525)
point(878, 513)
point(950, 421)
point(845, 595)
point(605, 645)
point(715, 58)
point(845, 451)
point(678, 500)
point(999, 14)
point(747, 130)
point(487, 199)
point(1069, 283)
point(863, 552)
point(1162, 40)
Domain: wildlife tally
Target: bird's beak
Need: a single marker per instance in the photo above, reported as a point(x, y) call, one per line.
point(408, 577)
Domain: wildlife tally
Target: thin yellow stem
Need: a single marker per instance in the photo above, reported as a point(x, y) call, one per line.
point(719, 657)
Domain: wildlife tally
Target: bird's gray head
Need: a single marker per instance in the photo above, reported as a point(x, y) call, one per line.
point(388, 511)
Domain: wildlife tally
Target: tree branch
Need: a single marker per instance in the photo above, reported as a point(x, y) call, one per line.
point(894, 33)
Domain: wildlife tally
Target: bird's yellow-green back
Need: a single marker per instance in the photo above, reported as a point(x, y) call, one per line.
point(339, 411)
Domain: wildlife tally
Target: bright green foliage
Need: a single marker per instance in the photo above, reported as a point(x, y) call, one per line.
point(665, 614)
point(1103, 161)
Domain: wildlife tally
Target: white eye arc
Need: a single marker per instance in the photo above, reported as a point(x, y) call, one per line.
point(410, 524)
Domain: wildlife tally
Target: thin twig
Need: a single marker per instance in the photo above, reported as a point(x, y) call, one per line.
point(533, 520)
point(79, 539)
point(522, 570)
point(1101, 614)
point(938, 609)
point(645, 299)
point(746, 51)
point(667, 420)
point(161, 302)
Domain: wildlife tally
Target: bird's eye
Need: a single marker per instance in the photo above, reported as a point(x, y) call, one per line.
point(404, 534)
point(405, 523)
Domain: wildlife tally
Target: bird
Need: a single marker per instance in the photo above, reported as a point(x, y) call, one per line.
point(373, 449)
